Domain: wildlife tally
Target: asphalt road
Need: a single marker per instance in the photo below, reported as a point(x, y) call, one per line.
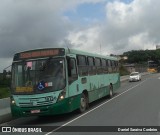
point(134, 104)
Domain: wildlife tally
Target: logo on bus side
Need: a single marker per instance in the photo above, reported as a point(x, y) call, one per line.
point(33, 102)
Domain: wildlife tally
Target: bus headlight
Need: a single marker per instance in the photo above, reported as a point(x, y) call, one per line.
point(13, 102)
point(61, 95)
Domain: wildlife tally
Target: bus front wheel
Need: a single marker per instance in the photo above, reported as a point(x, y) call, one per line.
point(83, 103)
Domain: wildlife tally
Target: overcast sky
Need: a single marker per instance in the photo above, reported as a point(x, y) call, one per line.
point(115, 25)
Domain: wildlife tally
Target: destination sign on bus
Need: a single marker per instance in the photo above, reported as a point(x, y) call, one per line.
point(39, 53)
point(24, 89)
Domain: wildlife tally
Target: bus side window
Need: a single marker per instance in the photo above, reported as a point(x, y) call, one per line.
point(104, 66)
point(72, 70)
point(113, 66)
point(98, 65)
point(109, 66)
point(91, 66)
point(82, 65)
point(117, 67)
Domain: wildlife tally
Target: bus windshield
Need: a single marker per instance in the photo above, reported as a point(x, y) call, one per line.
point(38, 76)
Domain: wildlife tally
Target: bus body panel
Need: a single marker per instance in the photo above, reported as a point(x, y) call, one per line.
point(97, 86)
point(64, 106)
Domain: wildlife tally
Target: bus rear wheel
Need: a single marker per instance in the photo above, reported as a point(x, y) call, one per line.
point(83, 103)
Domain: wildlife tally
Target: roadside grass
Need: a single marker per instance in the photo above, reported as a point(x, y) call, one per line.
point(123, 71)
point(4, 92)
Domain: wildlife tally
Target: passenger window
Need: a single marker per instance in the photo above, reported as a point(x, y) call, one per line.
point(109, 66)
point(91, 66)
point(104, 66)
point(113, 66)
point(117, 66)
point(82, 66)
point(98, 65)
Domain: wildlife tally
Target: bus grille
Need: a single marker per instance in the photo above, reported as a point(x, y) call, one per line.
point(32, 102)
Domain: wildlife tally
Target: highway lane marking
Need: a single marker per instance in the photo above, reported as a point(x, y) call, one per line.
point(95, 108)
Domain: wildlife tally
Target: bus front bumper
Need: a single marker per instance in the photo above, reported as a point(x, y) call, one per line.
point(57, 108)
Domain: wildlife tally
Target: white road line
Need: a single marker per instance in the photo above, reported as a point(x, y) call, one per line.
point(96, 107)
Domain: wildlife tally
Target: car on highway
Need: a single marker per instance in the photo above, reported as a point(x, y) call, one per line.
point(134, 76)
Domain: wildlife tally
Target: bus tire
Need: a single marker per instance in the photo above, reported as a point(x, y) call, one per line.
point(111, 91)
point(83, 103)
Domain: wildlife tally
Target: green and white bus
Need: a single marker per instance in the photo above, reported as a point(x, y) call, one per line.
point(54, 81)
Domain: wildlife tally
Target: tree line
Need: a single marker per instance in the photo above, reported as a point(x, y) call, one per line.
point(142, 56)
point(5, 78)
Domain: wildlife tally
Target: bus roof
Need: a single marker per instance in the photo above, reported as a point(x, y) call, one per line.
point(74, 51)
point(70, 51)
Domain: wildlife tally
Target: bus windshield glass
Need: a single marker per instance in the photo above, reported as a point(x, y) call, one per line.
point(38, 76)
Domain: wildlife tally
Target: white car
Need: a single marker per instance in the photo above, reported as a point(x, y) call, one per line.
point(135, 76)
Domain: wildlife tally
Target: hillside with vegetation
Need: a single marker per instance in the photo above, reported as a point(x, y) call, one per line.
point(5, 81)
point(142, 56)
point(139, 58)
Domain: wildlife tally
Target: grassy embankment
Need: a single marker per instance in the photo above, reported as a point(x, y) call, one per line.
point(123, 71)
point(4, 92)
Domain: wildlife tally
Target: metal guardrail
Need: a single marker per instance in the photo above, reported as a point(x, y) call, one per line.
point(4, 103)
point(5, 111)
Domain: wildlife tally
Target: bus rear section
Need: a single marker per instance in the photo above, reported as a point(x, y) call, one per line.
point(91, 77)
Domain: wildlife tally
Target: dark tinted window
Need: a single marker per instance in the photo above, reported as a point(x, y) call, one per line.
point(105, 66)
point(109, 66)
point(98, 65)
point(90, 61)
point(82, 65)
point(103, 63)
point(81, 60)
point(91, 66)
point(113, 63)
point(97, 62)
